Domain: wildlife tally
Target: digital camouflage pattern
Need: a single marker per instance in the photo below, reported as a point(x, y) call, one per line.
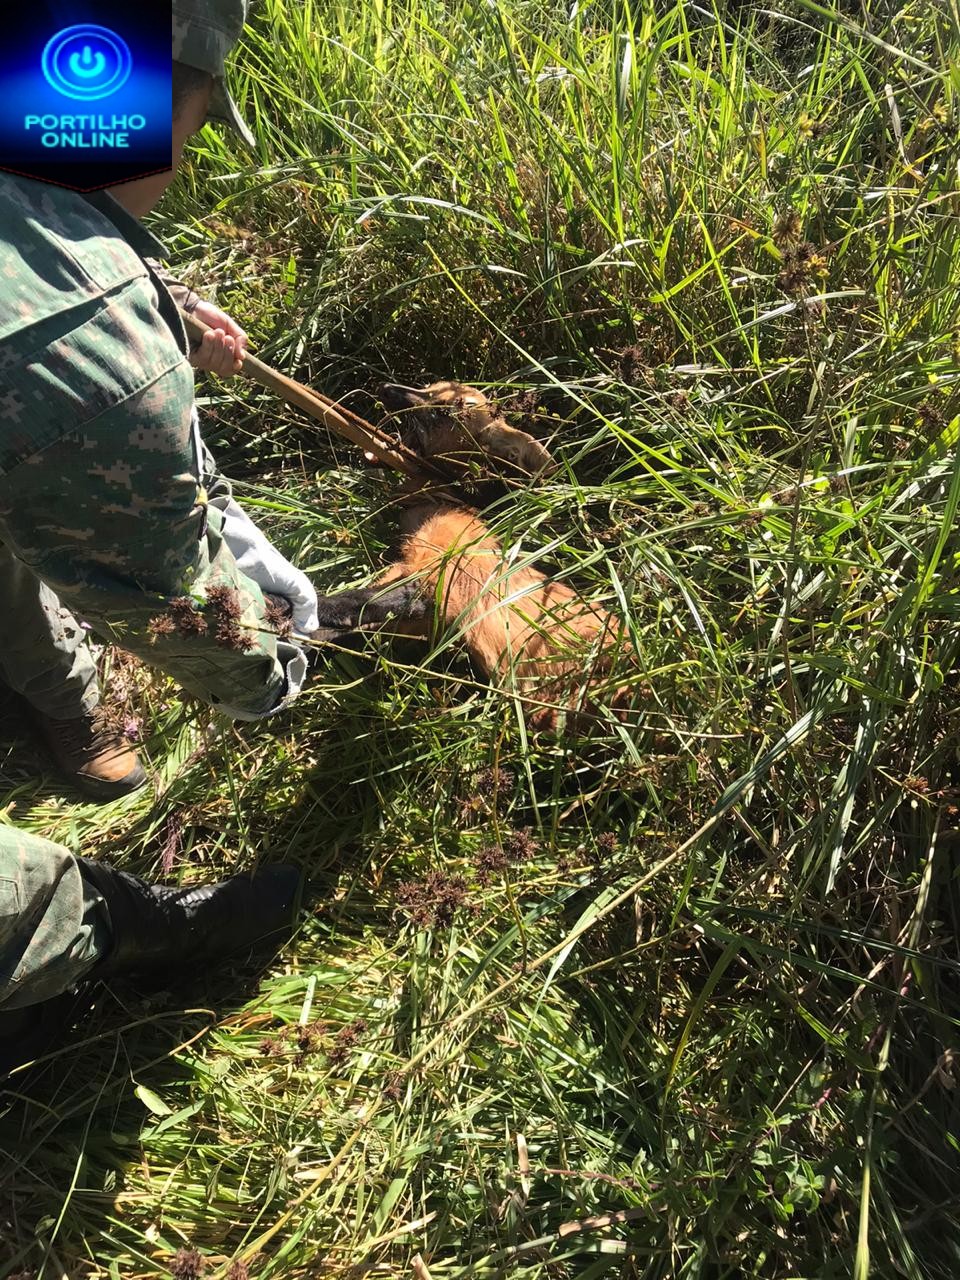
point(204, 32)
point(101, 502)
point(44, 653)
point(54, 926)
point(100, 494)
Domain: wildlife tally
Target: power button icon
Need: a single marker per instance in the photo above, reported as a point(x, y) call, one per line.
point(86, 62)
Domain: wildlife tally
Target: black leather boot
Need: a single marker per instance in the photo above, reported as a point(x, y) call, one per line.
point(160, 930)
point(156, 927)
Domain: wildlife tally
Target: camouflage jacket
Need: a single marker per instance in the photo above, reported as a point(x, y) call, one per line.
point(101, 492)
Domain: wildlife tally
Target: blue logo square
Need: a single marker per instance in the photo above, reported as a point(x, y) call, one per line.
point(85, 91)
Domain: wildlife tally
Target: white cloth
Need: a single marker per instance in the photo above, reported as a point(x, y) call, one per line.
point(255, 555)
point(260, 560)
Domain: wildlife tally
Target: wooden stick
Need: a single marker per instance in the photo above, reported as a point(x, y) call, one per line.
point(339, 420)
point(600, 1221)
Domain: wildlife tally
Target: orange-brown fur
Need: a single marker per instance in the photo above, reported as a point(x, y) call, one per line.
point(530, 633)
point(457, 426)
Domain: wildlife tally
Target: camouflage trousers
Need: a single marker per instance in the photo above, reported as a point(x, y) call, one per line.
point(43, 651)
point(112, 571)
point(54, 927)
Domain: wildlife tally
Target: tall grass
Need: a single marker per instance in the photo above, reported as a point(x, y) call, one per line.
point(683, 1003)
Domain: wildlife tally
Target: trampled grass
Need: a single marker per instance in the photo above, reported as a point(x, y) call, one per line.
point(684, 1003)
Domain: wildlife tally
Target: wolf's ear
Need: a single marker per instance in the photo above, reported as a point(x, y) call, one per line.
point(396, 397)
point(515, 447)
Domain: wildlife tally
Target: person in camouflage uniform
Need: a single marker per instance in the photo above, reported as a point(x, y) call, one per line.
point(111, 512)
point(104, 493)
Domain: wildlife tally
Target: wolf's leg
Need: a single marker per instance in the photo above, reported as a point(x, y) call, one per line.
point(372, 607)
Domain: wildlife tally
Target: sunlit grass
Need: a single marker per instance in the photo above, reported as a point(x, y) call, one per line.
point(712, 257)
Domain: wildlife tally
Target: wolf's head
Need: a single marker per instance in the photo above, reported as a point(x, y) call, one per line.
point(458, 426)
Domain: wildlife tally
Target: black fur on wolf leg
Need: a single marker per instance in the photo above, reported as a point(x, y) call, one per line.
point(370, 607)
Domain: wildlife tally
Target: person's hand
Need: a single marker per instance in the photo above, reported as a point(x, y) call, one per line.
point(221, 351)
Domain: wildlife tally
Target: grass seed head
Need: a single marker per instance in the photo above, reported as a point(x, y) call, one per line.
point(394, 1085)
point(187, 1264)
point(433, 901)
point(227, 609)
point(347, 1039)
point(606, 844)
point(490, 861)
point(931, 417)
point(520, 846)
point(525, 410)
point(161, 625)
point(787, 229)
point(634, 368)
point(278, 617)
point(225, 601)
point(802, 266)
point(187, 617)
point(493, 782)
point(229, 636)
point(307, 1039)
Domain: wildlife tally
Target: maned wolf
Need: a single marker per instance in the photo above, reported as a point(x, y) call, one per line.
point(534, 636)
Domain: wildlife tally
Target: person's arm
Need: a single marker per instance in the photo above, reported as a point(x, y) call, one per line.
point(222, 350)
